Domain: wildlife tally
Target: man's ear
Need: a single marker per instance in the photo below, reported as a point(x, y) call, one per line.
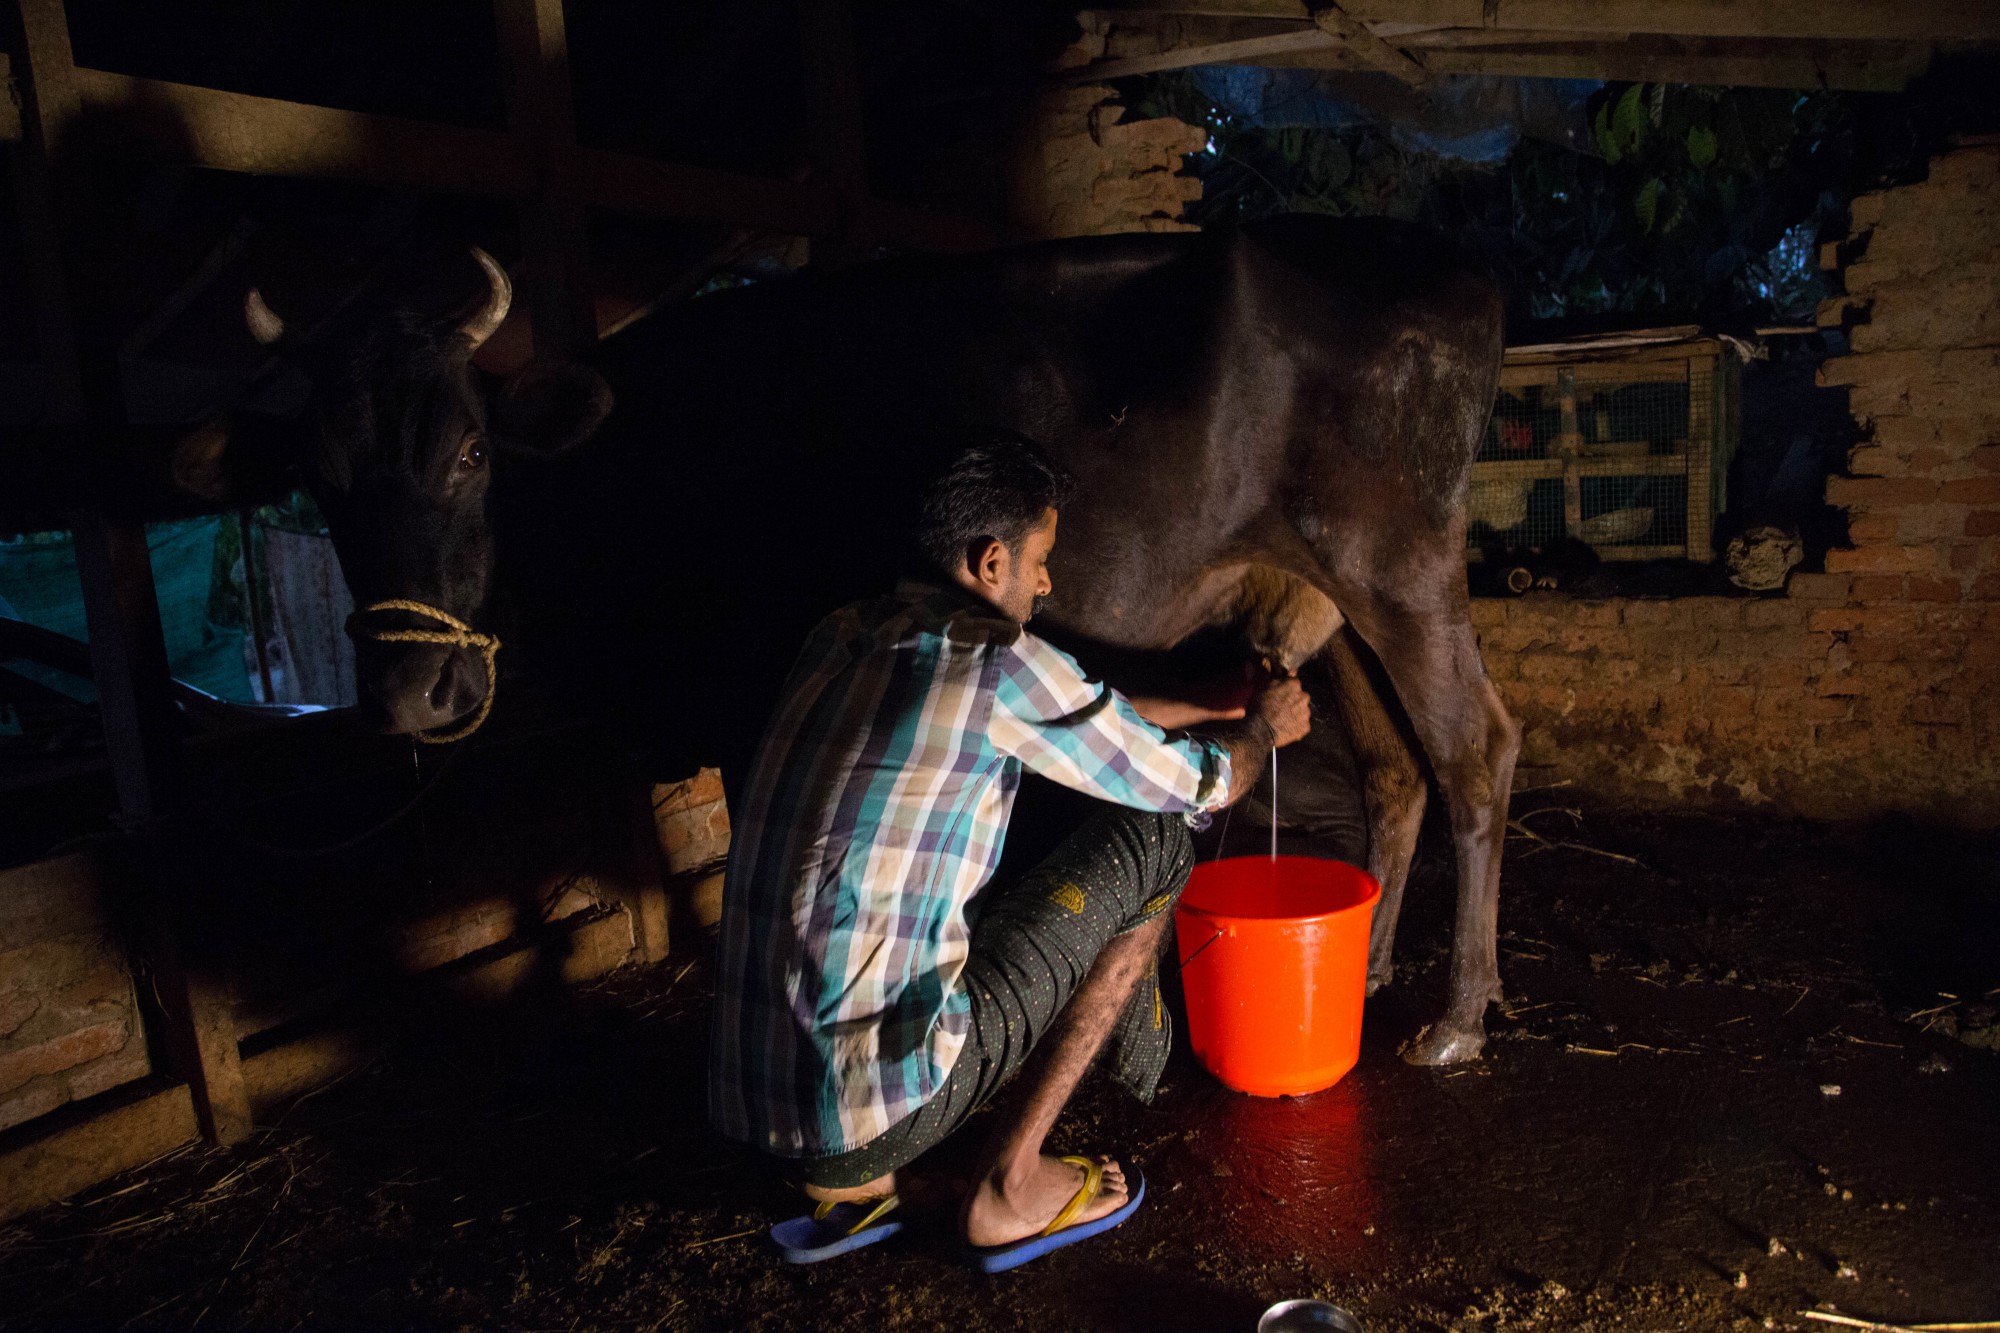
point(243, 458)
point(987, 558)
point(548, 409)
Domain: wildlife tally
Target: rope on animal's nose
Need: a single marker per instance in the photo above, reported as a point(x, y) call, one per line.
point(457, 634)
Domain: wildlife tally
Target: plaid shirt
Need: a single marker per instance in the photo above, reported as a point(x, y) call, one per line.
point(874, 816)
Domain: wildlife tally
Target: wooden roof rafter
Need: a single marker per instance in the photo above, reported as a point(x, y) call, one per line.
point(1862, 45)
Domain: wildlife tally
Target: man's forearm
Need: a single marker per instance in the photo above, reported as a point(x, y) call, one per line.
point(1249, 743)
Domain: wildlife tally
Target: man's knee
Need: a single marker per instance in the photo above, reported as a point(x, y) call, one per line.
point(1163, 857)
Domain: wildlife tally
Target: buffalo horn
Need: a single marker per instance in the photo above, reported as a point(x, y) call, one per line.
point(479, 325)
point(265, 326)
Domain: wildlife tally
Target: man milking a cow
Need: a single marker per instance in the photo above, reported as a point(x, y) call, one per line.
point(876, 983)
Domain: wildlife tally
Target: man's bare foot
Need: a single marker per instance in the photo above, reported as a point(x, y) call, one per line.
point(1000, 1211)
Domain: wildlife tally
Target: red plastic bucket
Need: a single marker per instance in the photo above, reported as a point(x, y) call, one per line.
point(1275, 967)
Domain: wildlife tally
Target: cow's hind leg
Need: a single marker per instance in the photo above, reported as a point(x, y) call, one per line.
point(1419, 625)
point(1393, 789)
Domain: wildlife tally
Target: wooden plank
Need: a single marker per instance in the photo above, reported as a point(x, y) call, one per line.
point(206, 127)
point(1852, 20)
point(203, 127)
point(68, 235)
point(836, 132)
point(1372, 50)
point(1250, 50)
point(1551, 469)
point(1846, 68)
point(559, 295)
point(79, 1145)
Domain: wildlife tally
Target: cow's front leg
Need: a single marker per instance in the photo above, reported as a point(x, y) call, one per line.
point(1425, 640)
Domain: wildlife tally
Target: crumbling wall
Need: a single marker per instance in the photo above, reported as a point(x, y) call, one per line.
point(1077, 171)
point(1872, 687)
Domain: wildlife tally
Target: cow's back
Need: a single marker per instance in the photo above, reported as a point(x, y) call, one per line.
point(761, 463)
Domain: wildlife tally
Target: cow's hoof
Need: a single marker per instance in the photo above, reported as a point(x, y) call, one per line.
point(1443, 1044)
point(1377, 980)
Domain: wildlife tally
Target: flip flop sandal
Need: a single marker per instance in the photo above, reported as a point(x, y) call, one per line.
point(834, 1229)
point(1061, 1231)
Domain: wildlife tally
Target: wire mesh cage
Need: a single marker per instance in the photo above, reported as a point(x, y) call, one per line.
point(1622, 445)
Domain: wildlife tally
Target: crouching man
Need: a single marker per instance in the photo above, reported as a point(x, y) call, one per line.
point(875, 986)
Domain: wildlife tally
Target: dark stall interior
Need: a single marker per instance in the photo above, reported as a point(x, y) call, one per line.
point(330, 1000)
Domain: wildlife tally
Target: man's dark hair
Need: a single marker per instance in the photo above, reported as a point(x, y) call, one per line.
point(998, 487)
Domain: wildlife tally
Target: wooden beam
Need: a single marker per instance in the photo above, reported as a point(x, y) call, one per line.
point(69, 238)
point(1875, 68)
point(265, 136)
point(560, 297)
point(1370, 48)
point(201, 127)
point(1849, 20)
point(76, 1146)
point(1246, 51)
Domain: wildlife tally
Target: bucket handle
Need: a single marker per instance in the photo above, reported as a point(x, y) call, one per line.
point(1219, 932)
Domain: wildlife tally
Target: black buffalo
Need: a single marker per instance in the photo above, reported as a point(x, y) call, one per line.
point(1273, 429)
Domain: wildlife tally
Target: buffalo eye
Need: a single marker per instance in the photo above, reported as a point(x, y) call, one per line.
point(472, 455)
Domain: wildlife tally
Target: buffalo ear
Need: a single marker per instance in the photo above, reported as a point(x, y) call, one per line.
point(548, 409)
point(243, 458)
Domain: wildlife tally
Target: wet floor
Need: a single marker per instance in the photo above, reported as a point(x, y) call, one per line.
point(1743, 1074)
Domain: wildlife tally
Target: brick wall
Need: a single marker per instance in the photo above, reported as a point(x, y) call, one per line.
point(1874, 686)
point(69, 1024)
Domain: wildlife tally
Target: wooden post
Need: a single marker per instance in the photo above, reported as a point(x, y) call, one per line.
point(839, 142)
point(561, 302)
point(127, 646)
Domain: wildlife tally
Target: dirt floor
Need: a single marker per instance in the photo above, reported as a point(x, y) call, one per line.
point(1747, 1073)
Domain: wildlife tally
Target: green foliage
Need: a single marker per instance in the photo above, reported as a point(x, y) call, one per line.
point(1676, 216)
point(1701, 146)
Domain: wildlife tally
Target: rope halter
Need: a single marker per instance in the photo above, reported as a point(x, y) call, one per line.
point(456, 634)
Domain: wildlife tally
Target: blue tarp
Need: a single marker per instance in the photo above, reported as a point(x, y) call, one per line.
point(39, 584)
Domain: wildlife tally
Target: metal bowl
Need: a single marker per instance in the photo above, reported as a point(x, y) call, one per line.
point(1307, 1317)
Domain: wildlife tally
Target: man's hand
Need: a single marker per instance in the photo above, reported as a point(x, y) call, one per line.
point(1283, 707)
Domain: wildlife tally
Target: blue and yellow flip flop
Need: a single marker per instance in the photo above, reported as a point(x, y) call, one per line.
point(1061, 1231)
point(834, 1229)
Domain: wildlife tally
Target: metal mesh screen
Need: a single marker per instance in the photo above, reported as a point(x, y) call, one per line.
point(1603, 452)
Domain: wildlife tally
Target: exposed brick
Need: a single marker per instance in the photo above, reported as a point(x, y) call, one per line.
point(1965, 556)
point(1987, 458)
point(1652, 614)
point(1972, 490)
point(1878, 492)
point(1488, 611)
point(1877, 647)
point(1986, 588)
point(1983, 523)
point(59, 1053)
point(1890, 620)
point(1877, 587)
point(1773, 612)
point(1870, 529)
point(1817, 587)
point(1933, 710)
point(119, 1067)
point(1934, 589)
point(1883, 559)
point(16, 1008)
point(37, 1099)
